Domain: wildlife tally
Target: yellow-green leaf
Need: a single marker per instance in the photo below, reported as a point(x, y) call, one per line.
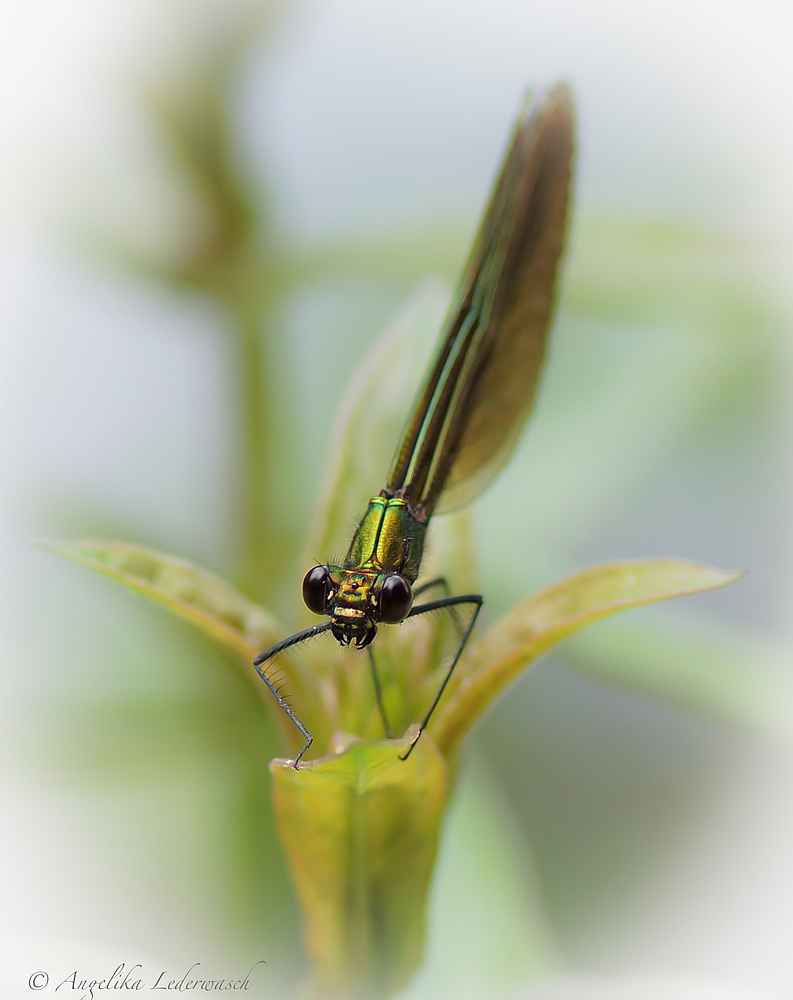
point(361, 833)
point(535, 624)
point(183, 588)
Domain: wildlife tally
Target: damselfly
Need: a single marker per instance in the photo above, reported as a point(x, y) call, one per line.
point(470, 411)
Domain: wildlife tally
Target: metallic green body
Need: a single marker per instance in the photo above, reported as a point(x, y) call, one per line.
point(389, 540)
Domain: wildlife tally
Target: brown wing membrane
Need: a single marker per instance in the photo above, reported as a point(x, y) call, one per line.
point(479, 392)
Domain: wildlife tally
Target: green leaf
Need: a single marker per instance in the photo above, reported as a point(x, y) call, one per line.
point(214, 606)
point(183, 588)
point(540, 621)
point(361, 832)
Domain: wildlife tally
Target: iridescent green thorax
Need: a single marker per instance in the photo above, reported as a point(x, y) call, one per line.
point(388, 541)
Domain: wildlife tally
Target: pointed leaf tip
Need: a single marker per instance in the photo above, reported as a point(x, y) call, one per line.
point(543, 619)
point(185, 589)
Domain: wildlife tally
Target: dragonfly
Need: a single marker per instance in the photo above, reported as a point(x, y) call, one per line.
point(470, 411)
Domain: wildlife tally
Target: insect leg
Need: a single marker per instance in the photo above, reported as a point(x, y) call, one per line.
point(268, 654)
point(446, 602)
point(438, 581)
point(378, 691)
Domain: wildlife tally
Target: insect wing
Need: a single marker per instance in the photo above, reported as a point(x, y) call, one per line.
point(481, 385)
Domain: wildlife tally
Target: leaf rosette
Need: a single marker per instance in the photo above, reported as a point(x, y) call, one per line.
point(359, 825)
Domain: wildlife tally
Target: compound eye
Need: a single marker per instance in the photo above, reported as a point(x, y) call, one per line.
point(315, 589)
point(396, 599)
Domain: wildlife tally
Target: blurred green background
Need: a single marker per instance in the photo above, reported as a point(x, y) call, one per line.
point(192, 191)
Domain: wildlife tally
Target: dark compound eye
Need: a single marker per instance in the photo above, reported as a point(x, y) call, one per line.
point(315, 589)
point(396, 598)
